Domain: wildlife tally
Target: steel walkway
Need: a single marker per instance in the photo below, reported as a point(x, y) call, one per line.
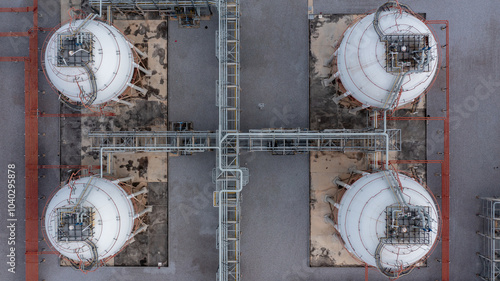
point(277, 141)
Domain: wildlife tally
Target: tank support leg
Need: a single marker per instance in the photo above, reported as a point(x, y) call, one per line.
point(125, 179)
point(328, 82)
point(338, 182)
point(137, 88)
point(148, 209)
point(138, 51)
point(123, 102)
point(328, 62)
point(146, 71)
point(355, 170)
point(330, 221)
point(143, 228)
point(354, 110)
point(337, 99)
point(142, 191)
point(329, 199)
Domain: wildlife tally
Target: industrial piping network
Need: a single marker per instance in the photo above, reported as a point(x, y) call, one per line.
point(31, 95)
point(237, 173)
point(230, 177)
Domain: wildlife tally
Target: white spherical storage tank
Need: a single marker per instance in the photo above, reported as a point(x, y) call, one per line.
point(386, 231)
point(89, 62)
point(387, 59)
point(89, 219)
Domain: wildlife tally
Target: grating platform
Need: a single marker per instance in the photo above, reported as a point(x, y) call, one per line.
point(406, 52)
point(406, 225)
point(75, 50)
point(75, 225)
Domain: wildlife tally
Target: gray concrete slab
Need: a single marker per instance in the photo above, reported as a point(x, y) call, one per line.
point(192, 71)
point(275, 216)
point(12, 126)
point(274, 59)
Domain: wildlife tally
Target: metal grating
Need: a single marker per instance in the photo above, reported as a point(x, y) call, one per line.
point(188, 13)
point(228, 141)
point(152, 5)
point(277, 141)
point(75, 225)
point(229, 178)
point(75, 50)
point(405, 225)
point(406, 52)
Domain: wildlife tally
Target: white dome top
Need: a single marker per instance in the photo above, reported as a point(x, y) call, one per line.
point(361, 60)
point(112, 63)
point(362, 220)
point(112, 222)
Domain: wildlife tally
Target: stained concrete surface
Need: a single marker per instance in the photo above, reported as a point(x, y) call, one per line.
point(150, 248)
point(149, 35)
point(474, 152)
point(325, 32)
point(144, 112)
point(326, 246)
point(142, 166)
point(474, 123)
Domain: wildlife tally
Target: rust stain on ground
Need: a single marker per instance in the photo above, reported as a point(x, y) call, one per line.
point(326, 247)
point(150, 36)
point(146, 112)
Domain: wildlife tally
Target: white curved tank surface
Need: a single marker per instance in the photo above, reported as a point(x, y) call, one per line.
point(89, 217)
point(87, 56)
point(390, 66)
point(374, 224)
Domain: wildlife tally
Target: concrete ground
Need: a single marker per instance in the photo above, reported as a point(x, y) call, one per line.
point(275, 208)
point(12, 124)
